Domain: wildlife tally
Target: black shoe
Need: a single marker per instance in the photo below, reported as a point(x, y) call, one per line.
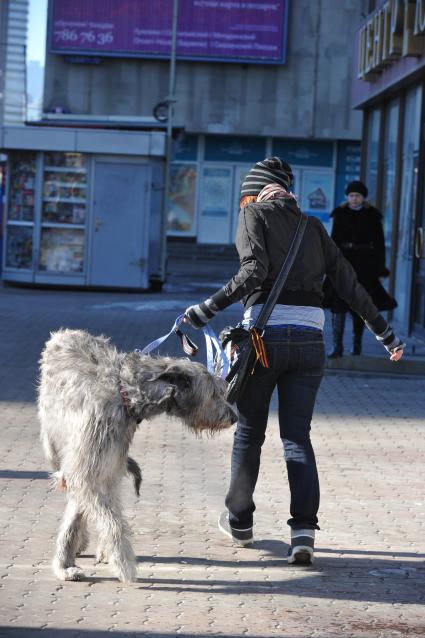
point(301, 551)
point(357, 346)
point(336, 353)
point(241, 537)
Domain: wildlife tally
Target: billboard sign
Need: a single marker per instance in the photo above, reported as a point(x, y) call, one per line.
point(240, 31)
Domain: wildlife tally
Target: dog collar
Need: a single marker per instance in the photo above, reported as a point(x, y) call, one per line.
point(126, 403)
point(125, 400)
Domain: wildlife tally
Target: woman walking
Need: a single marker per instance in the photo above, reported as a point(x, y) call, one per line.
point(357, 231)
point(294, 342)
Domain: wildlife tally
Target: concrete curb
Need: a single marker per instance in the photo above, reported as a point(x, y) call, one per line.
point(377, 365)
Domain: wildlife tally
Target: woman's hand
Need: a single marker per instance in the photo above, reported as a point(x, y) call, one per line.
point(396, 356)
point(199, 315)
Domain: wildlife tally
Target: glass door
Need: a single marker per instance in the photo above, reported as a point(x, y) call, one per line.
point(216, 205)
point(406, 225)
point(418, 301)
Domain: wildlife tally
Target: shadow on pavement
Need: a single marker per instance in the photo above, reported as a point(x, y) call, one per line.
point(23, 474)
point(398, 628)
point(365, 577)
point(330, 581)
point(29, 632)
point(277, 552)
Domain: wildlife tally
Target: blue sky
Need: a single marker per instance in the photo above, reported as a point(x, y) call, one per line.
point(37, 30)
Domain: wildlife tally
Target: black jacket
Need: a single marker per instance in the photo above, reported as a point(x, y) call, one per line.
point(359, 235)
point(264, 234)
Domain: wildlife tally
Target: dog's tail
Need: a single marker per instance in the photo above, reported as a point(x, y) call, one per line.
point(133, 468)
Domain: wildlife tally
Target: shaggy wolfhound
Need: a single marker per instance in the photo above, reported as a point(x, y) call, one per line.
point(91, 399)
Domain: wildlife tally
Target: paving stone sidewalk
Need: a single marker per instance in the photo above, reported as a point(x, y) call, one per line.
point(369, 577)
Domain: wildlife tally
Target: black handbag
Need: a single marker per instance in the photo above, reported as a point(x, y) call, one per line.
point(250, 345)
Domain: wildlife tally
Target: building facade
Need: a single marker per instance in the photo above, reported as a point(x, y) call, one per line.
point(13, 33)
point(233, 111)
point(389, 88)
point(253, 79)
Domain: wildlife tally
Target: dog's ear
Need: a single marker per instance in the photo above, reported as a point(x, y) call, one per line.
point(158, 390)
point(176, 379)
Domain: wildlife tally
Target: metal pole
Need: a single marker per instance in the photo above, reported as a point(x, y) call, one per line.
point(171, 99)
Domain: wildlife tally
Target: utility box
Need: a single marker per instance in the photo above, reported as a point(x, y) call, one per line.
point(83, 206)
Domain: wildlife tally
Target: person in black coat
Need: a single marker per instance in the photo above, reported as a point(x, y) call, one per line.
point(357, 231)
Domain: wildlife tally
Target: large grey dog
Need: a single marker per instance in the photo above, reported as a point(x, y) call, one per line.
point(91, 399)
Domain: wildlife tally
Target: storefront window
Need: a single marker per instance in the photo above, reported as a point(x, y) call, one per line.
point(21, 210)
point(406, 226)
point(22, 187)
point(390, 158)
point(63, 213)
point(347, 168)
point(372, 153)
point(19, 247)
point(64, 188)
point(181, 199)
point(62, 250)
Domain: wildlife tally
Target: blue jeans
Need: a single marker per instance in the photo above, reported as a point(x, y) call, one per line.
point(297, 357)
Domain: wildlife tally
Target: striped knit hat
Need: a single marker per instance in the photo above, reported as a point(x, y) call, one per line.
point(271, 170)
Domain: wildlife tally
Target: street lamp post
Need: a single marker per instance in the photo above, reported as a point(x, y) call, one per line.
point(170, 100)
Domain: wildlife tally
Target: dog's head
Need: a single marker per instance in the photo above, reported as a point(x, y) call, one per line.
point(178, 387)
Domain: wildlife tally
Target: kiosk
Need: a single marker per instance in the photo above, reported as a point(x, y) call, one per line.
point(83, 206)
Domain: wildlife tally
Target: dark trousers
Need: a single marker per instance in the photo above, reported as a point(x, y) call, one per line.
point(358, 324)
point(296, 356)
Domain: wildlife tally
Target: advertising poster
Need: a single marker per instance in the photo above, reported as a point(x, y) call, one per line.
point(236, 30)
point(181, 200)
point(317, 197)
point(216, 192)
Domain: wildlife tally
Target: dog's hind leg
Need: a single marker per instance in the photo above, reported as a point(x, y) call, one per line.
point(114, 538)
point(67, 544)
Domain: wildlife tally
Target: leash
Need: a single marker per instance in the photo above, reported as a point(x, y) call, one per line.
point(190, 348)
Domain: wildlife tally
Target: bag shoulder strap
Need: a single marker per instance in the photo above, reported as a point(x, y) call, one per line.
point(283, 274)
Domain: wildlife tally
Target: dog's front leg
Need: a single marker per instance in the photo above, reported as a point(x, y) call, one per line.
point(67, 543)
point(83, 536)
point(114, 538)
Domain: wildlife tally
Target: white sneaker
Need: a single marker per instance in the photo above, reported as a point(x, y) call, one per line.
point(241, 537)
point(301, 551)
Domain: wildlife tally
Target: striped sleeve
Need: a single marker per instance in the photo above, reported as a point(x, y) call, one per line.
point(385, 334)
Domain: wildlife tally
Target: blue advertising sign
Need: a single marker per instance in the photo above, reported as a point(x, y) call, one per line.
point(305, 152)
point(231, 148)
point(231, 30)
